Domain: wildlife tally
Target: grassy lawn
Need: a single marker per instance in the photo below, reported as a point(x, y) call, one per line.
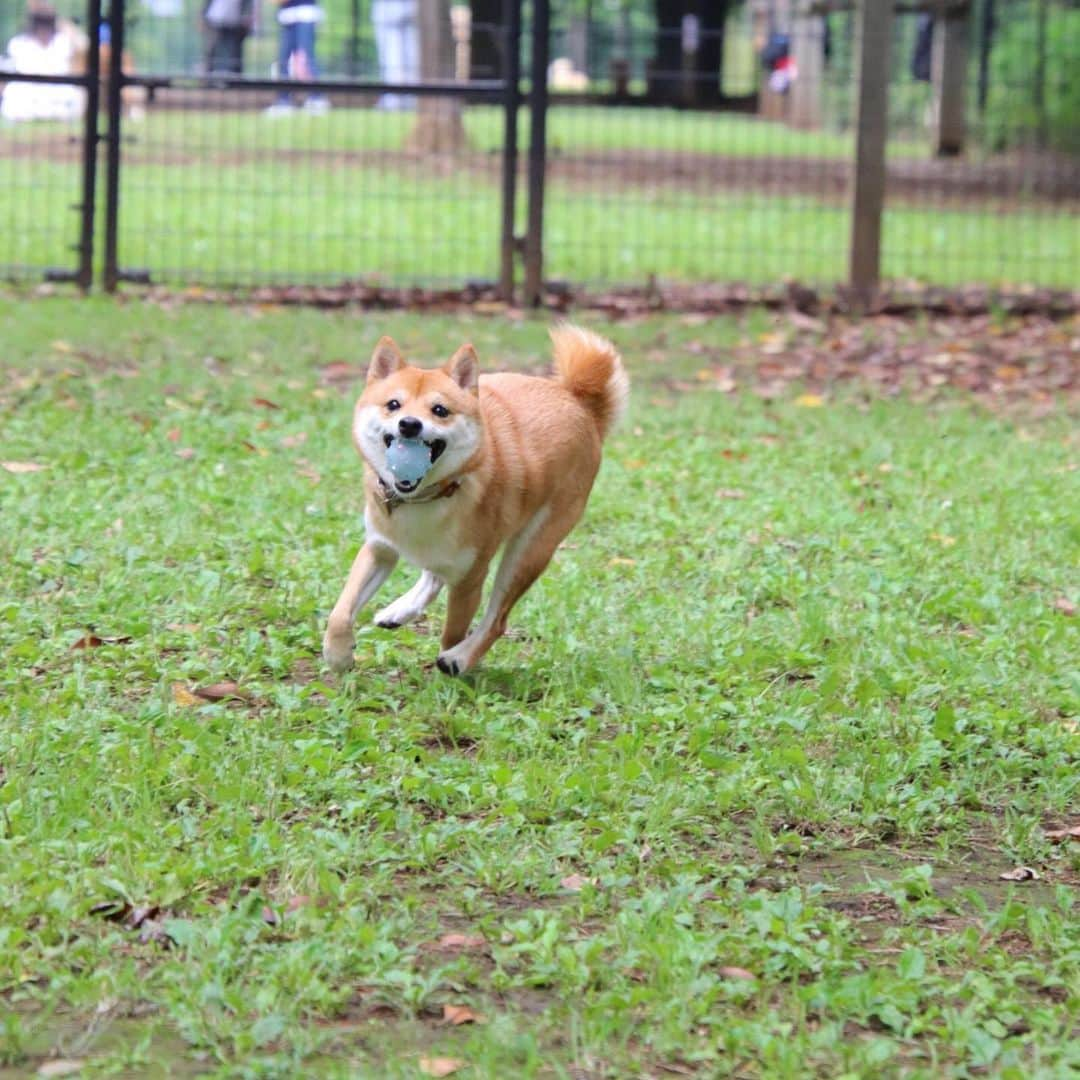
point(734, 798)
point(243, 225)
point(237, 198)
point(570, 129)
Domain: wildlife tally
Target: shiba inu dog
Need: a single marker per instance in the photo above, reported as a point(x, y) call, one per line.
point(504, 461)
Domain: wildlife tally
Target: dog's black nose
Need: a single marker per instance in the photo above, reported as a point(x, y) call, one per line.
point(410, 427)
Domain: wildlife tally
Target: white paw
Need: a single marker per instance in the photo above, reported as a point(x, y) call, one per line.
point(337, 651)
point(454, 661)
point(396, 614)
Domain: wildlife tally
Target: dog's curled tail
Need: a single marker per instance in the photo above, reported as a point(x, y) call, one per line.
point(589, 367)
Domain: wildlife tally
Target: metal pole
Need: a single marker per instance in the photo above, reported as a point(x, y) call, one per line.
point(115, 108)
point(90, 146)
point(354, 39)
point(873, 33)
point(511, 104)
point(986, 34)
point(538, 103)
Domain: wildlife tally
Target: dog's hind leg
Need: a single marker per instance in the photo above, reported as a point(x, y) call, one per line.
point(411, 605)
point(524, 560)
point(370, 569)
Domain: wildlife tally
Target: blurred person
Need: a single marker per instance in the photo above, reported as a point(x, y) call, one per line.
point(228, 23)
point(297, 20)
point(42, 49)
point(397, 41)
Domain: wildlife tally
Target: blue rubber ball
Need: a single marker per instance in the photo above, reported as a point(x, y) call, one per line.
point(408, 459)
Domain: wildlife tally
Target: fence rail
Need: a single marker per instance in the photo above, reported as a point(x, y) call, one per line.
point(826, 173)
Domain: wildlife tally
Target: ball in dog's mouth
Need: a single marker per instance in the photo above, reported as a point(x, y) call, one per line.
point(410, 459)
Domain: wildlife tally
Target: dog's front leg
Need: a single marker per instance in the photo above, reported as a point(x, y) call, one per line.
point(460, 609)
point(370, 569)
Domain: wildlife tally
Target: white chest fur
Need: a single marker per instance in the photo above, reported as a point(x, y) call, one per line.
point(424, 536)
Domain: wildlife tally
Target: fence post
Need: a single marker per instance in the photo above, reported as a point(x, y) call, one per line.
point(90, 145)
point(538, 103)
point(808, 50)
point(873, 33)
point(949, 73)
point(114, 105)
point(511, 103)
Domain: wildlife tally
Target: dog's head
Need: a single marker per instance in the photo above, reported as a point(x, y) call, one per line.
point(441, 407)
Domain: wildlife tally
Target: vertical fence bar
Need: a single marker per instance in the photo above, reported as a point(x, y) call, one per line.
point(873, 30)
point(949, 73)
point(114, 107)
point(511, 104)
point(538, 104)
point(90, 146)
point(986, 33)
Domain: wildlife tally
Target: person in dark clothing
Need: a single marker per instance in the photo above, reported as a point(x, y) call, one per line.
point(229, 22)
point(924, 47)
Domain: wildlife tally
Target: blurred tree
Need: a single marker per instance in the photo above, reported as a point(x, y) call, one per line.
point(439, 127)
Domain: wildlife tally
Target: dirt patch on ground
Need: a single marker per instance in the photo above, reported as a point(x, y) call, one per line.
point(956, 182)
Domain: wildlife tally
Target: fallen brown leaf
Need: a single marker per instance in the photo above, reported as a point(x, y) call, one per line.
point(1057, 835)
point(730, 493)
point(1020, 873)
point(289, 441)
point(183, 627)
point(22, 466)
point(728, 972)
point(92, 641)
point(183, 696)
point(294, 903)
point(450, 942)
point(264, 403)
point(140, 915)
point(441, 1066)
point(1065, 606)
point(457, 1015)
point(61, 1067)
point(576, 882)
point(221, 691)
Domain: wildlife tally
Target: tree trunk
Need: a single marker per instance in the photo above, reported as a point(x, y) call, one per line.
point(439, 127)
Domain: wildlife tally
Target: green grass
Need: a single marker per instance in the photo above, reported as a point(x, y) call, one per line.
point(291, 209)
point(799, 733)
point(570, 129)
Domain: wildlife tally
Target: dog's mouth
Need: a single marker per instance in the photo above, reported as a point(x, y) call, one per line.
point(435, 447)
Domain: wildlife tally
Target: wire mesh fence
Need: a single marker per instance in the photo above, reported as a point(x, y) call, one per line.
point(685, 144)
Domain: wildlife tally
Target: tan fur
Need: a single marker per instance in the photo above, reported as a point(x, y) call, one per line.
point(520, 460)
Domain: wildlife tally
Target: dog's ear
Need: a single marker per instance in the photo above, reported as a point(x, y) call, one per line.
point(385, 360)
point(464, 369)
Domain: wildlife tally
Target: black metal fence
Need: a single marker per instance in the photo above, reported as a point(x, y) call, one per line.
point(658, 155)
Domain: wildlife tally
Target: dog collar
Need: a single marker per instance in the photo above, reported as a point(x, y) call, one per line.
point(391, 499)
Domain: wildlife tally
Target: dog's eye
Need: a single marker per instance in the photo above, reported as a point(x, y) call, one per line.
point(393, 405)
point(441, 411)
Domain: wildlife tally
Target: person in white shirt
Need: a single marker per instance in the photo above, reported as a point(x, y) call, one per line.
point(41, 50)
point(397, 39)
